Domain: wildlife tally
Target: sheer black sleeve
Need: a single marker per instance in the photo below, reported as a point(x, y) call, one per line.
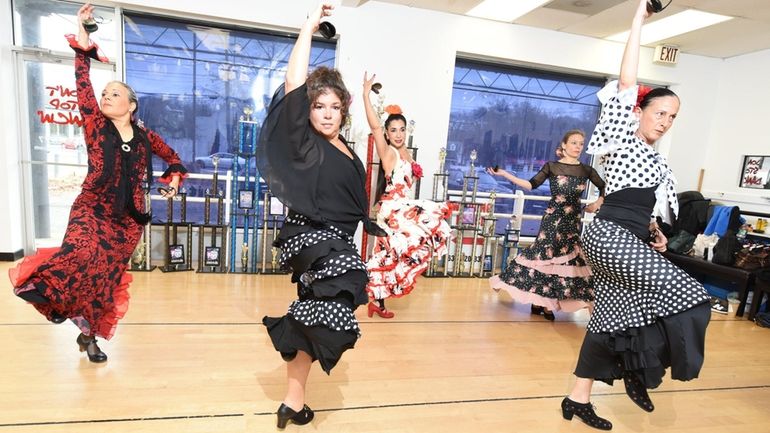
point(289, 153)
point(541, 176)
point(597, 180)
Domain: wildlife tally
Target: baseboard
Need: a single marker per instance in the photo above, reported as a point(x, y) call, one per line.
point(11, 257)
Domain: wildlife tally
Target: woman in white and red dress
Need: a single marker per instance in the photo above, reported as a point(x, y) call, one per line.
point(417, 229)
point(85, 279)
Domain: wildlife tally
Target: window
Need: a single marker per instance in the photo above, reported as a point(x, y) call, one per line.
point(514, 118)
point(194, 82)
point(54, 154)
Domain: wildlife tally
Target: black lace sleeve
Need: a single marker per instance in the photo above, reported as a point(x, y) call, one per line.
point(541, 176)
point(597, 180)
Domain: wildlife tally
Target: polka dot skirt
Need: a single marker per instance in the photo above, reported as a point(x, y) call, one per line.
point(634, 284)
point(627, 161)
point(332, 315)
point(313, 312)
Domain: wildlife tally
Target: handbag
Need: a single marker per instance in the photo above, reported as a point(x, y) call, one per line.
point(753, 257)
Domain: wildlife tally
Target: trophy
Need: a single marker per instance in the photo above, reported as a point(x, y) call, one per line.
point(244, 256)
point(441, 159)
point(410, 129)
point(246, 117)
point(274, 261)
point(474, 155)
point(138, 256)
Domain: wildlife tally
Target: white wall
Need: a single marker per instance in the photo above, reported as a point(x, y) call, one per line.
point(739, 127)
point(10, 198)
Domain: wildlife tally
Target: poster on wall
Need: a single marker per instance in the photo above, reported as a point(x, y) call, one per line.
point(755, 172)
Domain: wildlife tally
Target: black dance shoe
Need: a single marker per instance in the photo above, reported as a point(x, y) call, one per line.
point(57, 317)
point(637, 391)
point(286, 414)
point(536, 309)
point(584, 411)
point(88, 345)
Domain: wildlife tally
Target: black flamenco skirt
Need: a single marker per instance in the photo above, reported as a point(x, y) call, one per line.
point(323, 343)
point(676, 341)
point(331, 282)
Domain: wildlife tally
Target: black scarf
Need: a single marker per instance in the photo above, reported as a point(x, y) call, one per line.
point(129, 181)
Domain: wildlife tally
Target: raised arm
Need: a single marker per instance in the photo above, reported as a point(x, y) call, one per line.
point(629, 67)
point(387, 158)
point(296, 71)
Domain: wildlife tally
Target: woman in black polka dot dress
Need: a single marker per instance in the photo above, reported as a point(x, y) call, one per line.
point(552, 273)
point(649, 315)
point(316, 174)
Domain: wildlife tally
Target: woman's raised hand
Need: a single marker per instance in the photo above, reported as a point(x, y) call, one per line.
point(641, 10)
point(368, 82)
point(86, 12)
point(324, 9)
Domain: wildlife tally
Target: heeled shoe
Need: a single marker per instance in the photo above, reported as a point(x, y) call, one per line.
point(536, 309)
point(637, 392)
point(286, 414)
point(88, 345)
point(548, 315)
point(584, 411)
point(385, 314)
point(57, 318)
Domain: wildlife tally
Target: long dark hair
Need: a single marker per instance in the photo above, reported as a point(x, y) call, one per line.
point(380, 190)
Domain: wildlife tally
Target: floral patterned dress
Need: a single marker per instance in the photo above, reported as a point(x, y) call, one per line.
point(85, 279)
point(416, 229)
point(553, 271)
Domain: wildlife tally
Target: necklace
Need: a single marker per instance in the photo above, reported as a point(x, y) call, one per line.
point(125, 147)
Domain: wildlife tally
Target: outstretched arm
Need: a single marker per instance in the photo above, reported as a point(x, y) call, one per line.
point(296, 71)
point(629, 67)
point(502, 173)
point(387, 158)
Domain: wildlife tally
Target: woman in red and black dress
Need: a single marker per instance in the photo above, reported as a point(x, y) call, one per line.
point(85, 279)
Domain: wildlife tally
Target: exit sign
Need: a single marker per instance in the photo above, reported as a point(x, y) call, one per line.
point(666, 54)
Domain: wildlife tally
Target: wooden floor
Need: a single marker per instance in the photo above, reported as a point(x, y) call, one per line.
point(191, 356)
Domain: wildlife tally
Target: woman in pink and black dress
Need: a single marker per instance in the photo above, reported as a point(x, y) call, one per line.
point(417, 229)
point(552, 274)
point(85, 279)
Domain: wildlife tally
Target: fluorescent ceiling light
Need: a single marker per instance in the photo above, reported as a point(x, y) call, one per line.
point(504, 10)
point(676, 24)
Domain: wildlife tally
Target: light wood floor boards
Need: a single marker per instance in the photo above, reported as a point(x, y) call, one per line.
point(192, 356)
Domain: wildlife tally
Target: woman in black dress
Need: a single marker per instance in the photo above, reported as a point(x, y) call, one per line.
point(552, 273)
point(313, 171)
point(649, 315)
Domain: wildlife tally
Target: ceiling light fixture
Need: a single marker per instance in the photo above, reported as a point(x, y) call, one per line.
point(677, 24)
point(504, 10)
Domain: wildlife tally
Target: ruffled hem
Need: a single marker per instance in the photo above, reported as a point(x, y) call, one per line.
point(677, 341)
point(28, 265)
point(393, 273)
point(332, 315)
point(322, 344)
point(526, 297)
point(557, 266)
point(107, 322)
